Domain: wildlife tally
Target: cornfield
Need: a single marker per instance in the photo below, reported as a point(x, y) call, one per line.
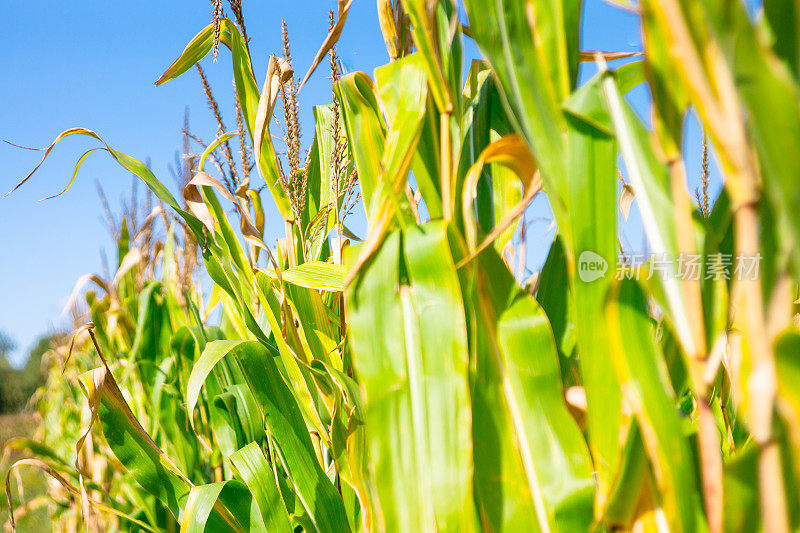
point(413, 379)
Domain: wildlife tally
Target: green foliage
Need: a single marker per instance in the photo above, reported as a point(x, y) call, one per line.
point(411, 381)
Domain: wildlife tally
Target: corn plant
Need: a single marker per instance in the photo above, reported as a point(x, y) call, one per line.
point(410, 382)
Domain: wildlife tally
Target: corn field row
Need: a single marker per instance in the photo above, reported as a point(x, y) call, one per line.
point(409, 381)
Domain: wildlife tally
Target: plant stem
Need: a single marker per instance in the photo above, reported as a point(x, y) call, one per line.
point(686, 245)
point(445, 166)
point(762, 380)
point(289, 227)
point(708, 442)
point(710, 465)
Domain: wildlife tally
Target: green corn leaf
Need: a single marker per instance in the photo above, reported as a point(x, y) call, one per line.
point(623, 500)
point(285, 423)
point(197, 49)
point(425, 164)
point(553, 294)
point(187, 343)
point(134, 166)
point(230, 496)
point(318, 275)
point(134, 449)
point(592, 179)
point(437, 363)
point(283, 419)
point(425, 36)
point(365, 128)
point(639, 365)
point(484, 122)
point(320, 335)
point(124, 239)
point(298, 377)
point(557, 26)
point(324, 139)
point(249, 413)
point(402, 89)
point(202, 367)
point(784, 20)
point(518, 372)
point(228, 429)
point(650, 183)
point(243, 416)
point(587, 104)
point(152, 332)
point(410, 354)
point(260, 480)
point(322, 206)
point(504, 35)
point(132, 446)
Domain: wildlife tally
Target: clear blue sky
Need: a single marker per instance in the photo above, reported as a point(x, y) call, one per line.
point(93, 64)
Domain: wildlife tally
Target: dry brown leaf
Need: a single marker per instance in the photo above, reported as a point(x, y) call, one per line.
point(626, 197)
point(200, 210)
point(511, 152)
point(278, 72)
point(47, 469)
point(330, 40)
point(589, 56)
point(388, 28)
point(130, 260)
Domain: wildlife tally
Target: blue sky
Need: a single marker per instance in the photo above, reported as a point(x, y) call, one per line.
point(93, 64)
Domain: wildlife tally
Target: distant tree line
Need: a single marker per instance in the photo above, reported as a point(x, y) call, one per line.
point(17, 385)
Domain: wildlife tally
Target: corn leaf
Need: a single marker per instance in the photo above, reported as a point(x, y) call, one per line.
point(365, 128)
point(649, 180)
point(416, 399)
point(639, 365)
point(506, 38)
point(132, 446)
point(232, 497)
point(518, 361)
point(283, 420)
point(318, 275)
point(260, 480)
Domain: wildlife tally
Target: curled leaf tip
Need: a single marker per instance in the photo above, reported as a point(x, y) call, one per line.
point(23, 147)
